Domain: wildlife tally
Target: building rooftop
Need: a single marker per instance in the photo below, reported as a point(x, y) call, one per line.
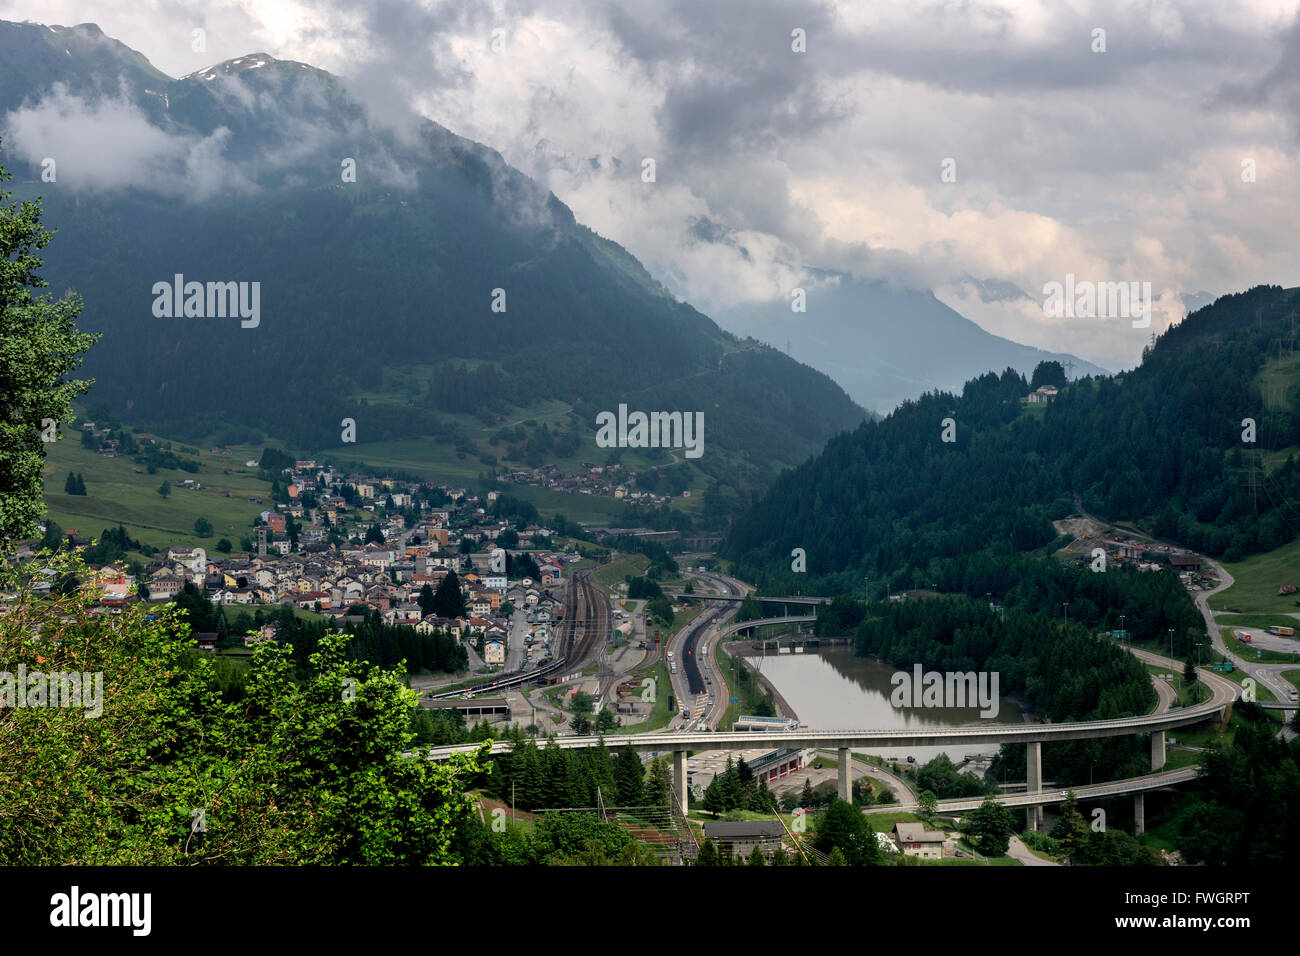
point(743, 829)
point(917, 833)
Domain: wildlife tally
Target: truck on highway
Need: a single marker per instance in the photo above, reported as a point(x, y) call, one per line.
point(1242, 636)
point(1285, 631)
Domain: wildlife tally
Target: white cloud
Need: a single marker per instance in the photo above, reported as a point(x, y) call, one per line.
point(111, 145)
point(1123, 165)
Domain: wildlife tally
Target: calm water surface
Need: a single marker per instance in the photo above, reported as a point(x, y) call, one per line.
point(835, 689)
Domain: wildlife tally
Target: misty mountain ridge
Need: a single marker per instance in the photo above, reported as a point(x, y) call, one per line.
point(379, 247)
point(886, 344)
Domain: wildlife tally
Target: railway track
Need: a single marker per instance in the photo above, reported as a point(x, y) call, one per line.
point(586, 621)
point(584, 626)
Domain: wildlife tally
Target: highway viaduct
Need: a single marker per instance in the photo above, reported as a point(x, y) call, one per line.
point(785, 602)
point(1033, 735)
point(844, 741)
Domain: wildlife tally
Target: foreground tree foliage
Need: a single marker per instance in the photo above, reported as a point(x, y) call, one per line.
point(990, 826)
point(841, 827)
point(305, 772)
point(1246, 810)
point(40, 345)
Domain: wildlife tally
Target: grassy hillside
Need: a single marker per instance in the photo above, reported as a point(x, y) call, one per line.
point(441, 463)
point(120, 491)
point(1257, 579)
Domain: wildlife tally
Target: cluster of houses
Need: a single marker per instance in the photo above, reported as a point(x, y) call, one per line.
point(342, 581)
point(1151, 557)
point(610, 480)
point(374, 577)
point(1144, 556)
point(344, 584)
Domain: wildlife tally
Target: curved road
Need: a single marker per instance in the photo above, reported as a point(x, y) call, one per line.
point(1268, 675)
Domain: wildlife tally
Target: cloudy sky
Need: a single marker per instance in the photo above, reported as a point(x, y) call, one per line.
point(1132, 164)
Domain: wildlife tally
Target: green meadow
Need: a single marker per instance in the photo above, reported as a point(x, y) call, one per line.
point(120, 491)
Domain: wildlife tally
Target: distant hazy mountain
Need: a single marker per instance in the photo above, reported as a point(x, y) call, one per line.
point(884, 344)
point(376, 294)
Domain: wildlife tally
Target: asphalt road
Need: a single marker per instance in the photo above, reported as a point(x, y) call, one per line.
point(707, 714)
point(1267, 675)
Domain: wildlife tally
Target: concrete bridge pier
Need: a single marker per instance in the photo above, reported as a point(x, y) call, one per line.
point(1033, 782)
point(846, 774)
point(679, 780)
point(1157, 750)
point(1139, 812)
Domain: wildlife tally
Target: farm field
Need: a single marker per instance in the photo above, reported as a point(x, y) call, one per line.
point(120, 491)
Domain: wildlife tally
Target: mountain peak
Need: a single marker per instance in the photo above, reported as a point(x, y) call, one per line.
point(244, 64)
point(91, 28)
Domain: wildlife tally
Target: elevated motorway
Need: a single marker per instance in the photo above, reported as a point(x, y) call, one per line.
point(876, 739)
point(1223, 693)
point(743, 626)
point(1033, 803)
point(736, 599)
point(1098, 791)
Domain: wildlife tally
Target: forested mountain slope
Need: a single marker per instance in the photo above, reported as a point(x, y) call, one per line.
point(239, 173)
point(1162, 445)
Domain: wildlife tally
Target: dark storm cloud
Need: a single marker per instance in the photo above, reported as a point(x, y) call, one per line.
point(1120, 163)
point(733, 80)
point(1279, 87)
